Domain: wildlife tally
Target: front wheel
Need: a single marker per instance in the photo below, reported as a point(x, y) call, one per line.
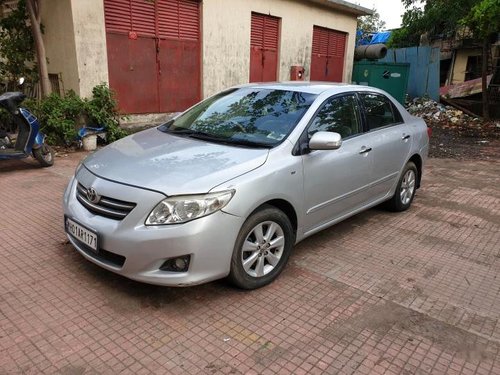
point(405, 190)
point(44, 155)
point(262, 248)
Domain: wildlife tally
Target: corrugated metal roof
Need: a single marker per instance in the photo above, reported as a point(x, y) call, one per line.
point(345, 6)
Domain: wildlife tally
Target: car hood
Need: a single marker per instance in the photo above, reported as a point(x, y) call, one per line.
point(171, 164)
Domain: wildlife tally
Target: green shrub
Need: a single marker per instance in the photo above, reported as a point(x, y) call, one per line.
point(60, 115)
point(102, 110)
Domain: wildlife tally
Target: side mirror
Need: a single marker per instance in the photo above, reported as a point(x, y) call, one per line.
point(325, 141)
point(20, 81)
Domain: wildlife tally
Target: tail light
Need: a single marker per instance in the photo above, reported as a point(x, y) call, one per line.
point(429, 132)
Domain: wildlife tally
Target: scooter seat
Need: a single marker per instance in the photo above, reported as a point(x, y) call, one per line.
point(11, 100)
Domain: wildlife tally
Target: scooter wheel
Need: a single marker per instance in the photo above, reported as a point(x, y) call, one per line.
point(44, 155)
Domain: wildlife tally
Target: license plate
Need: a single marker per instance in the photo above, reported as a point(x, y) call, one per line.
point(82, 234)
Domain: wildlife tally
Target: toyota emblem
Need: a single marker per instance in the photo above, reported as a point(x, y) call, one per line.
point(92, 196)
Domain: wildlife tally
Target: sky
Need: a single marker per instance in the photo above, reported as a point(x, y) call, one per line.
point(390, 10)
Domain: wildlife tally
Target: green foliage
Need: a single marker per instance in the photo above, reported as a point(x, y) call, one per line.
point(368, 25)
point(60, 115)
point(371, 23)
point(436, 18)
point(102, 110)
point(17, 54)
point(483, 19)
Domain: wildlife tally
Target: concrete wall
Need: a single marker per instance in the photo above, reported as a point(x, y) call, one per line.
point(226, 38)
point(75, 42)
point(460, 66)
point(60, 42)
point(90, 42)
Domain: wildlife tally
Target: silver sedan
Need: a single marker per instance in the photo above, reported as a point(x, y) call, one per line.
point(227, 188)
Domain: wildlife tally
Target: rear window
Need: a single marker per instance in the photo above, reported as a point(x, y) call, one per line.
point(380, 111)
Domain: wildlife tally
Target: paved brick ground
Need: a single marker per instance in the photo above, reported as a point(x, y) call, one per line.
point(409, 293)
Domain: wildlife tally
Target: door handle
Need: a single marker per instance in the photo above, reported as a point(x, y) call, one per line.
point(405, 137)
point(365, 150)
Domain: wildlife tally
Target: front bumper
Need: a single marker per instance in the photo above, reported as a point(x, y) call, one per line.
point(145, 248)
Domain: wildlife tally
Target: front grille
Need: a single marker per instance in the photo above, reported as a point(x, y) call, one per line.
point(107, 207)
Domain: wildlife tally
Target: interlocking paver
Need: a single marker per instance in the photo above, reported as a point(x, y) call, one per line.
point(381, 293)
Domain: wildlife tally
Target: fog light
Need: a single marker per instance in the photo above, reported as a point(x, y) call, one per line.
point(179, 264)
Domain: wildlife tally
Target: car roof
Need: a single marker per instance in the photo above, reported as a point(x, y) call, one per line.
point(316, 88)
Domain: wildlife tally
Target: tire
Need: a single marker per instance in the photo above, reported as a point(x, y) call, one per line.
point(265, 258)
point(405, 191)
point(44, 155)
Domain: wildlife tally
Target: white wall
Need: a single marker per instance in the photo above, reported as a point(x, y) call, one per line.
point(75, 42)
point(60, 42)
point(76, 39)
point(226, 38)
point(90, 42)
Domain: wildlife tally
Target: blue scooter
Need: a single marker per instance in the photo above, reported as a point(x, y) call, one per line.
point(30, 140)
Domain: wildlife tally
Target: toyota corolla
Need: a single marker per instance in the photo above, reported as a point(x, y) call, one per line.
point(227, 188)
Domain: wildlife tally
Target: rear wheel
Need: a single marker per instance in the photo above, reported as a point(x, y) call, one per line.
point(405, 191)
point(44, 155)
point(262, 248)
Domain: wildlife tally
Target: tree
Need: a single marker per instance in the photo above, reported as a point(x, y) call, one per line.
point(479, 19)
point(369, 24)
point(484, 22)
point(27, 13)
point(34, 12)
point(16, 46)
point(435, 18)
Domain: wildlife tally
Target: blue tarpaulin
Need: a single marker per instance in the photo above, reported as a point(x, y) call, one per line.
point(381, 37)
point(375, 38)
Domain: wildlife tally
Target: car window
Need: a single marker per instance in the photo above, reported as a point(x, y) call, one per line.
point(339, 115)
point(379, 111)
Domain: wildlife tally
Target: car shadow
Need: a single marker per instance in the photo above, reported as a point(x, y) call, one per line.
point(126, 295)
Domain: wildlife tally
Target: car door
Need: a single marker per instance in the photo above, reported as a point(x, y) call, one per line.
point(336, 182)
point(390, 139)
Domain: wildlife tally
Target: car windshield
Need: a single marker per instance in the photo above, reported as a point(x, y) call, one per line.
point(254, 117)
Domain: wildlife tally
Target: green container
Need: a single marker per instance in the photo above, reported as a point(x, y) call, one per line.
point(391, 77)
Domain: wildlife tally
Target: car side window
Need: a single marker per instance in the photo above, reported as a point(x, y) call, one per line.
point(339, 115)
point(379, 111)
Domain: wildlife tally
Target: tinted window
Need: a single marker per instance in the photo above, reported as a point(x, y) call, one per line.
point(339, 115)
point(244, 116)
point(379, 111)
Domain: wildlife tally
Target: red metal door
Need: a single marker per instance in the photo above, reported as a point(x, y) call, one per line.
point(264, 43)
point(179, 54)
point(328, 52)
point(154, 54)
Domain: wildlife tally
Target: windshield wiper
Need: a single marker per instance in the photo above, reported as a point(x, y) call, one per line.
point(228, 141)
point(178, 131)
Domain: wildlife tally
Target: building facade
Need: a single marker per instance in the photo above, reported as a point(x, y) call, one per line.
point(165, 55)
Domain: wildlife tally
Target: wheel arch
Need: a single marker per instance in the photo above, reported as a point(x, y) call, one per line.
point(284, 206)
point(417, 160)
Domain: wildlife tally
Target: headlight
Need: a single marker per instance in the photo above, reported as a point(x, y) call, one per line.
point(180, 209)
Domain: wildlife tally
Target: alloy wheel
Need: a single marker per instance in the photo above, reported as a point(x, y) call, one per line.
point(263, 248)
point(407, 187)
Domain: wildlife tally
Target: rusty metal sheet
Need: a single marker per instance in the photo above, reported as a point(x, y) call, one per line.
point(467, 88)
